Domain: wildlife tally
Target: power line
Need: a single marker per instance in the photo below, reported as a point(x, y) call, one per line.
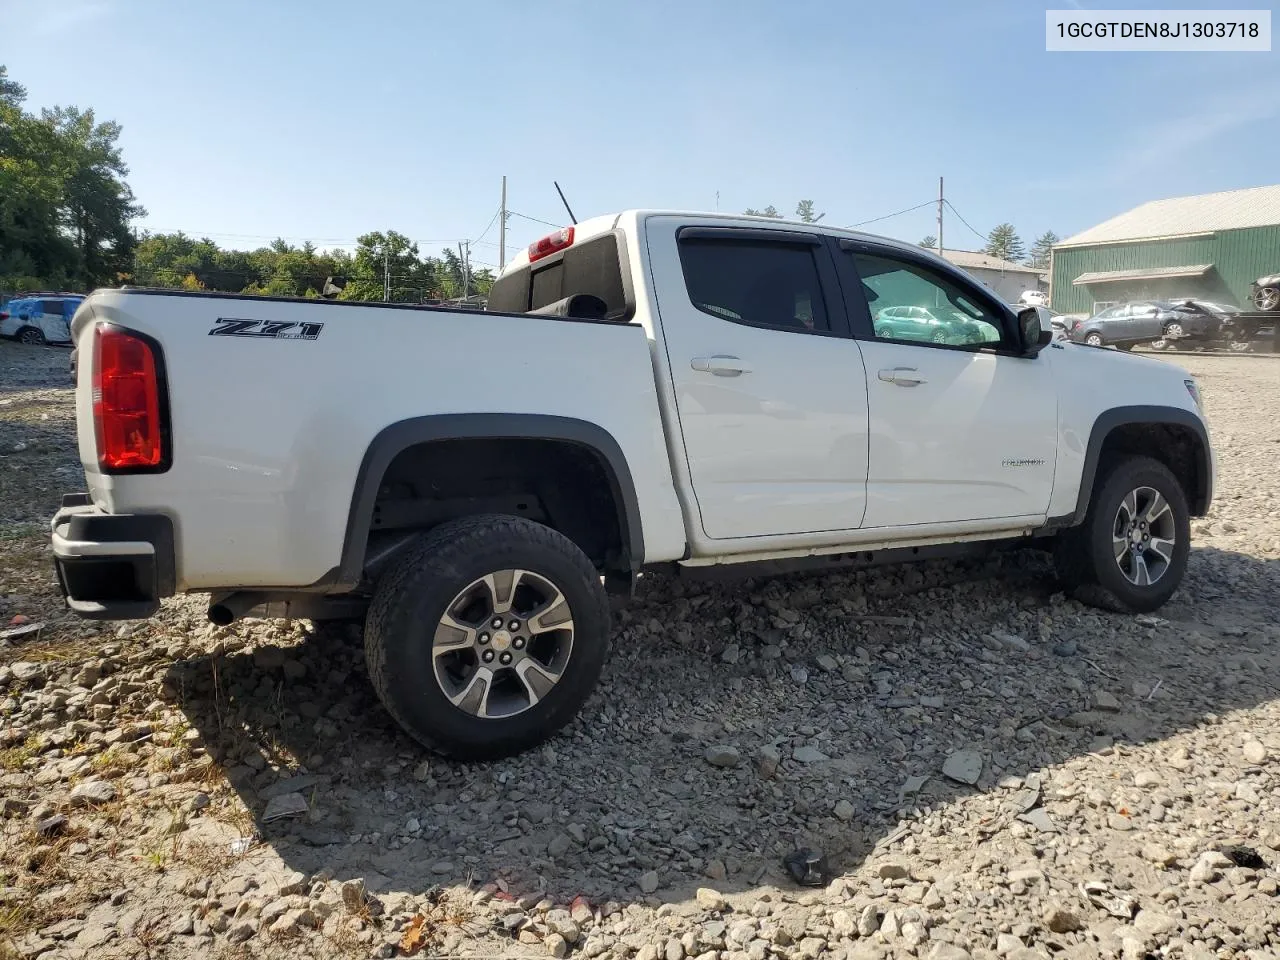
point(524, 216)
point(888, 216)
point(492, 221)
point(981, 236)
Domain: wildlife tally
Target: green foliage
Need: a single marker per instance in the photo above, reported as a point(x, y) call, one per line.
point(65, 210)
point(65, 206)
point(1041, 248)
point(804, 212)
point(382, 259)
point(929, 242)
point(1004, 242)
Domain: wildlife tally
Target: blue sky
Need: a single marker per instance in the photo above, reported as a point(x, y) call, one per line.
point(322, 120)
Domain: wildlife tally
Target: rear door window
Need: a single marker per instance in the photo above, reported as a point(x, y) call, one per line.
point(758, 283)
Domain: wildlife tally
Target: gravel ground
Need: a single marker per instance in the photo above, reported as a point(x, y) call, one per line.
point(988, 768)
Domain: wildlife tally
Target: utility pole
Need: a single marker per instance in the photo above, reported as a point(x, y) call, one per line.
point(502, 228)
point(386, 273)
point(466, 266)
point(939, 216)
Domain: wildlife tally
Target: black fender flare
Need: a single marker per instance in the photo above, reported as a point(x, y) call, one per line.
point(399, 436)
point(1109, 420)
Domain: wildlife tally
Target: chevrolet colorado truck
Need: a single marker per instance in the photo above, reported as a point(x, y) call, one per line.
point(651, 390)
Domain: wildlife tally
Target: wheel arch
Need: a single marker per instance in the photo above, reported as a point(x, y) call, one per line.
point(403, 435)
point(1172, 435)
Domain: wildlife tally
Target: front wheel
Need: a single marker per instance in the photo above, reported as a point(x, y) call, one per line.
point(1131, 551)
point(1094, 339)
point(31, 336)
point(487, 637)
point(1174, 331)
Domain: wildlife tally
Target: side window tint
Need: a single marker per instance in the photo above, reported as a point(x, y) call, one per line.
point(913, 303)
point(757, 283)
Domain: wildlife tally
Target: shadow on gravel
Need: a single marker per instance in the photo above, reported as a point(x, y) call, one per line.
point(862, 684)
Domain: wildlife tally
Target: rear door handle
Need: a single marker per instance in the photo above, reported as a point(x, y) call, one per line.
point(721, 366)
point(902, 377)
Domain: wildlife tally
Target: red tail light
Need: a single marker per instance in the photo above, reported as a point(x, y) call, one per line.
point(550, 244)
point(127, 403)
point(4, 314)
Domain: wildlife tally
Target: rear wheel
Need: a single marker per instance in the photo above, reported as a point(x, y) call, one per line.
point(939, 336)
point(1094, 339)
point(31, 336)
point(1174, 331)
point(488, 636)
point(1267, 298)
point(1131, 551)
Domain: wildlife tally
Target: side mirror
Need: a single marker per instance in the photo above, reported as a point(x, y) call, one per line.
point(1035, 330)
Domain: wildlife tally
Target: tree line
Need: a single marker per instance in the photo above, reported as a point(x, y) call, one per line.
point(384, 264)
point(66, 215)
point(1003, 242)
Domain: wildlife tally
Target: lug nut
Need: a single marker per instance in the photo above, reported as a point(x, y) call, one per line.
point(518, 643)
point(497, 623)
point(513, 625)
point(484, 638)
point(505, 659)
point(487, 656)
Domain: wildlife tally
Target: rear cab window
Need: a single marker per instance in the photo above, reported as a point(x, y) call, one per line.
point(589, 267)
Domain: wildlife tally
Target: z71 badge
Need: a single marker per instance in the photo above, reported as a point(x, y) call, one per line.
point(265, 329)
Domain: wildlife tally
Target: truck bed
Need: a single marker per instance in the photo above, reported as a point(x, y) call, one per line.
point(243, 487)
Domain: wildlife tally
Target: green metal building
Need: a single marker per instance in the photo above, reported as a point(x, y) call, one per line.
point(1211, 246)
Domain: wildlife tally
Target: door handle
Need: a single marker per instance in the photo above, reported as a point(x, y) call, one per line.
point(721, 366)
point(902, 377)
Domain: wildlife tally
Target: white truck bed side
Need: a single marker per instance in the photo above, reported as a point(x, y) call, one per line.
point(268, 434)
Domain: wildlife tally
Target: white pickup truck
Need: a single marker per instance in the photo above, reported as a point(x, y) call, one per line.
point(646, 390)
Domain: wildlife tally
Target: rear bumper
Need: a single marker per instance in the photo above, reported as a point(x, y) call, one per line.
point(112, 566)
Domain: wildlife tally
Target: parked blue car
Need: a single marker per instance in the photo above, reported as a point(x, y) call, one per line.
point(45, 318)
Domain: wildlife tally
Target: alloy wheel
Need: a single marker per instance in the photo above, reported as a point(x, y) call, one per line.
point(503, 643)
point(1268, 298)
point(1093, 340)
point(1143, 536)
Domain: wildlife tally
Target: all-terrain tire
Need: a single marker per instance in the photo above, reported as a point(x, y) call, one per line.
point(1084, 555)
point(412, 596)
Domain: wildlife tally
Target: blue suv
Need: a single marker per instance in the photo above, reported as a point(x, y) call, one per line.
point(43, 318)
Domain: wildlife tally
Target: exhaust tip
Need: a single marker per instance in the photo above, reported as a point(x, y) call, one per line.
point(221, 615)
point(229, 608)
